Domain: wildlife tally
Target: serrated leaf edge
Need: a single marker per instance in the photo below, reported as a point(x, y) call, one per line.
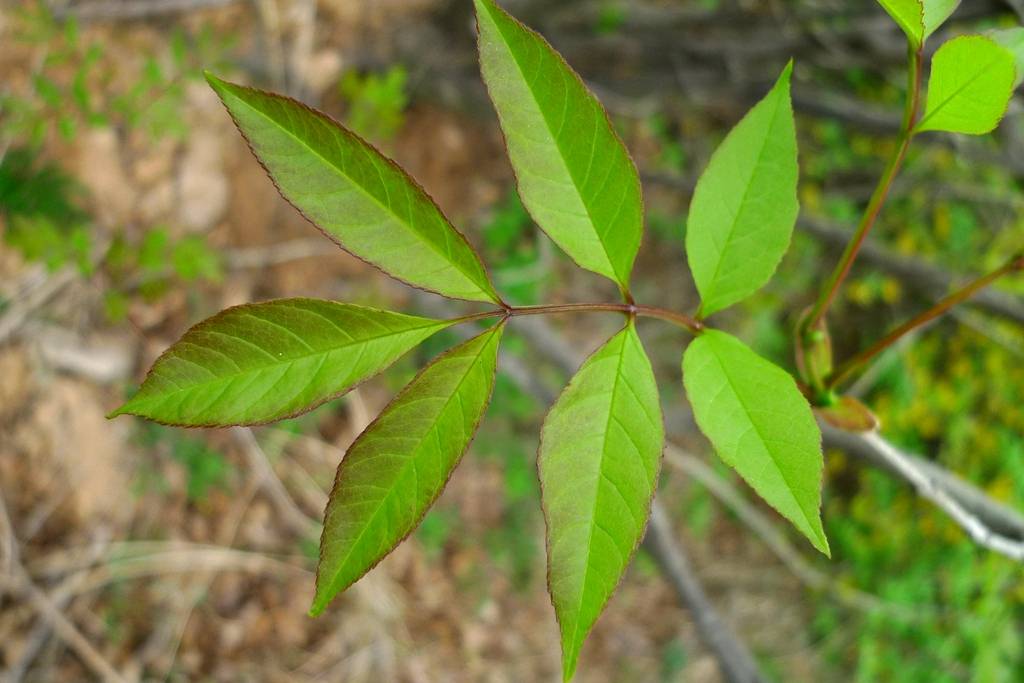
point(125, 408)
point(214, 82)
point(319, 605)
point(622, 280)
point(568, 674)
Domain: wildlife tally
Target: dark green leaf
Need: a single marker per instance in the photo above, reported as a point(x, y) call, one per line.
point(356, 195)
point(397, 467)
point(600, 449)
point(575, 175)
point(261, 362)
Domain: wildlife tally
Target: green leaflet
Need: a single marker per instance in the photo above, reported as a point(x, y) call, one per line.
point(397, 467)
point(356, 195)
point(919, 19)
point(600, 450)
point(261, 362)
point(970, 86)
point(745, 204)
point(574, 174)
point(935, 14)
point(760, 424)
point(909, 14)
point(1013, 40)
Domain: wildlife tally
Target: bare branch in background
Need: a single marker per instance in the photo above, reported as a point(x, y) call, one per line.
point(125, 10)
point(16, 580)
point(768, 532)
point(989, 523)
point(299, 522)
point(735, 660)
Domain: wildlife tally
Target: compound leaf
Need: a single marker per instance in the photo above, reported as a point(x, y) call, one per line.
point(745, 204)
point(970, 86)
point(261, 362)
point(760, 424)
point(574, 173)
point(358, 197)
point(600, 449)
point(398, 466)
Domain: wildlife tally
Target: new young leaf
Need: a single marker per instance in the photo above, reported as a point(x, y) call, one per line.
point(356, 195)
point(919, 19)
point(970, 86)
point(574, 173)
point(398, 466)
point(745, 204)
point(909, 14)
point(760, 424)
point(600, 449)
point(261, 362)
point(935, 14)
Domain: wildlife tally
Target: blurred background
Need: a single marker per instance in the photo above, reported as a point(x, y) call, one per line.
point(131, 209)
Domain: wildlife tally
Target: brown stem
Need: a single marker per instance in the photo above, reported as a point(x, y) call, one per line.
point(678, 319)
point(843, 372)
point(874, 208)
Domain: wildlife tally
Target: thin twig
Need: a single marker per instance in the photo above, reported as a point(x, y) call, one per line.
point(850, 366)
point(769, 534)
point(61, 597)
point(16, 580)
point(119, 10)
point(20, 310)
point(299, 522)
point(918, 275)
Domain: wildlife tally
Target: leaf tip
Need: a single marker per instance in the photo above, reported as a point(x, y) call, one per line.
point(214, 82)
point(821, 543)
point(570, 659)
point(117, 412)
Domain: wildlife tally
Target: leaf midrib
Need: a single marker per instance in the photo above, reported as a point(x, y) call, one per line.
point(554, 138)
point(263, 368)
point(743, 199)
point(760, 435)
point(405, 466)
point(956, 93)
point(376, 200)
point(597, 492)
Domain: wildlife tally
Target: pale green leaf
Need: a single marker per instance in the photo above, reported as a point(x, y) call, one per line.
point(600, 450)
point(1013, 40)
point(745, 204)
point(970, 86)
point(262, 362)
point(357, 196)
point(397, 467)
point(760, 424)
point(574, 173)
point(919, 19)
point(935, 14)
point(909, 14)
